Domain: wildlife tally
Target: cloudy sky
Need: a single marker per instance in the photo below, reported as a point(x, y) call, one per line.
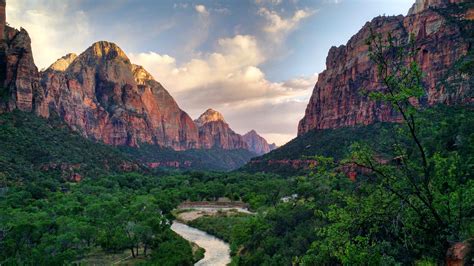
point(255, 61)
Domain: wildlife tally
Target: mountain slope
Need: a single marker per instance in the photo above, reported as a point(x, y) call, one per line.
point(297, 155)
point(32, 147)
point(443, 35)
point(105, 97)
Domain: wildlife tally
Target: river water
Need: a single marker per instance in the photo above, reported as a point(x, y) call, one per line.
point(217, 251)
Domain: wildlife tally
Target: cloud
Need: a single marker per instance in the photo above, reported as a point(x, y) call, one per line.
point(231, 81)
point(201, 9)
point(278, 26)
point(48, 32)
point(268, 2)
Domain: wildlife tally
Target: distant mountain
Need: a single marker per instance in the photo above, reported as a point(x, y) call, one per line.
point(258, 144)
point(443, 35)
point(214, 132)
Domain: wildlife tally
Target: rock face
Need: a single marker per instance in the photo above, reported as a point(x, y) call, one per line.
point(103, 96)
point(258, 144)
point(336, 100)
point(19, 77)
point(214, 132)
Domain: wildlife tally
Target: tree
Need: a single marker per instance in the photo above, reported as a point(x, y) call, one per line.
point(416, 174)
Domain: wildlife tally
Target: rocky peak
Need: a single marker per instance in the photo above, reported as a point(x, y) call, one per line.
point(63, 63)
point(107, 50)
point(257, 143)
point(210, 115)
point(106, 98)
point(214, 132)
point(140, 74)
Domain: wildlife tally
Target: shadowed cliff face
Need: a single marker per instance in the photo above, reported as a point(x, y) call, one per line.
point(19, 75)
point(336, 100)
point(103, 96)
point(215, 132)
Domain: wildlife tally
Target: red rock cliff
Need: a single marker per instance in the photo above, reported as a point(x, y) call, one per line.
point(19, 77)
point(103, 96)
point(336, 100)
point(214, 132)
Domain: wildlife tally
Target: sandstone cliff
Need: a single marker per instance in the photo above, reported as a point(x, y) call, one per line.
point(101, 94)
point(258, 144)
point(19, 77)
point(214, 132)
point(336, 100)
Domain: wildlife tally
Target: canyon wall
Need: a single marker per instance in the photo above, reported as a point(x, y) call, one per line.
point(337, 100)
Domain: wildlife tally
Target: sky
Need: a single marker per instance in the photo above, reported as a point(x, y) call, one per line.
point(255, 61)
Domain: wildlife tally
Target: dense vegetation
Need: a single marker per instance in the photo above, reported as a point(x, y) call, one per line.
point(199, 159)
point(334, 143)
point(336, 221)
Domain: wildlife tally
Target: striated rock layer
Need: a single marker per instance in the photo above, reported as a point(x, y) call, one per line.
point(258, 144)
point(336, 100)
point(214, 132)
point(19, 77)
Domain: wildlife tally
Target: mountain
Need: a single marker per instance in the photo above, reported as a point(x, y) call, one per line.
point(102, 96)
point(258, 144)
point(214, 132)
point(443, 41)
point(105, 97)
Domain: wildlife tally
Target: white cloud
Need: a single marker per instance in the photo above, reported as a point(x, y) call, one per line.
point(278, 26)
point(231, 81)
point(201, 9)
point(52, 35)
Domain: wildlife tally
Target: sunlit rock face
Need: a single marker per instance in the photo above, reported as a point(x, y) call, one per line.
point(337, 100)
point(214, 132)
point(258, 144)
point(103, 96)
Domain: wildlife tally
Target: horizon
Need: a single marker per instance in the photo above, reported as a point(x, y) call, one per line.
point(228, 64)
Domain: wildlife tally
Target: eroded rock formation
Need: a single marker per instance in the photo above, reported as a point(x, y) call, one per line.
point(101, 94)
point(337, 101)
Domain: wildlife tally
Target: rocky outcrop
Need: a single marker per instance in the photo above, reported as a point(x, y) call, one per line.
point(214, 132)
point(258, 144)
point(423, 5)
point(337, 100)
point(19, 77)
point(103, 96)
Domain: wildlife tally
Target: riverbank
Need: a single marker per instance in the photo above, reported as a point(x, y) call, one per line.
point(188, 226)
point(217, 252)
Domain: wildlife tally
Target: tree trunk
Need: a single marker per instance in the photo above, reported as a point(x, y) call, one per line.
point(133, 252)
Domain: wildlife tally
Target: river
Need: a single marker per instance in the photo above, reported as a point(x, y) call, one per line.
point(217, 251)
